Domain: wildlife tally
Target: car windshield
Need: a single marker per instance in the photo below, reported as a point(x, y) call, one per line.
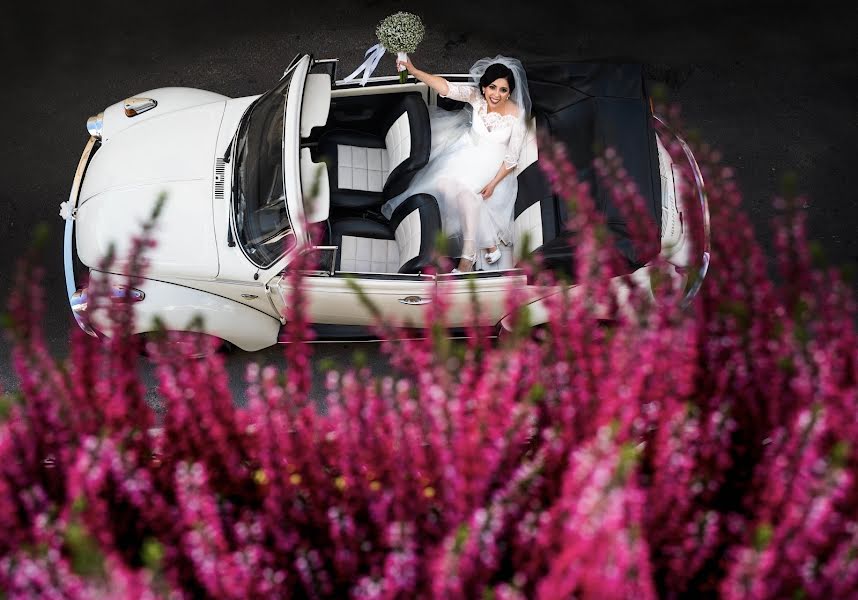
point(259, 200)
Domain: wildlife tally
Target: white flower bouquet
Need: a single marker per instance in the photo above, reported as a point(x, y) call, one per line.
point(400, 33)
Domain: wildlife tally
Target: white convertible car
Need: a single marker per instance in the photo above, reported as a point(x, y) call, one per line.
point(242, 176)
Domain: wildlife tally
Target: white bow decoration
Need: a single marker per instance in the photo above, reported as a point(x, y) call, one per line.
point(67, 212)
point(374, 53)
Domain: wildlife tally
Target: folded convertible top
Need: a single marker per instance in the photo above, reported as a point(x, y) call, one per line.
point(589, 107)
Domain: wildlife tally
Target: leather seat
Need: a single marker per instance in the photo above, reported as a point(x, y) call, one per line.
point(366, 169)
point(539, 225)
point(537, 213)
point(405, 244)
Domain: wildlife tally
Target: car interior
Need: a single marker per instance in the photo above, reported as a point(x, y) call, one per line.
point(365, 149)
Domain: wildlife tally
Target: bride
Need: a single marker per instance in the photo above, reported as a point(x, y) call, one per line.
point(474, 153)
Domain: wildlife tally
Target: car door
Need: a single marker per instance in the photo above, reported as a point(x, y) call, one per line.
point(356, 298)
point(346, 298)
point(363, 298)
point(484, 291)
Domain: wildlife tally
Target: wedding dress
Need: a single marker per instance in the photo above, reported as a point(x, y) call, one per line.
point(468, 149)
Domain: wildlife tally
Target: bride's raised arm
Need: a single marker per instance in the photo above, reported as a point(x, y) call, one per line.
point(464, 93)
point(436, 82)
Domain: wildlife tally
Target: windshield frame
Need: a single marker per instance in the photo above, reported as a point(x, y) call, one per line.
point(239, 211)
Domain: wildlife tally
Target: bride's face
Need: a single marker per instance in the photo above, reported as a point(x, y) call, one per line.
point(497, 92)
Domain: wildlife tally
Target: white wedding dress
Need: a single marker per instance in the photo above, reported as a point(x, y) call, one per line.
point(464, 158)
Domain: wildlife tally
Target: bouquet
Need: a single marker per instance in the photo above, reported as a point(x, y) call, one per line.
point(400, 33)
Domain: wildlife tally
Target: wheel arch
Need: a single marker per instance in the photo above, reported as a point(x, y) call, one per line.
point(182, 308)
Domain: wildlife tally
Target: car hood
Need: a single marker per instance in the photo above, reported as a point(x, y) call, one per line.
point(171, 157)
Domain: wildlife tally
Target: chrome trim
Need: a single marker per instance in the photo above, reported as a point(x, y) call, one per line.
point(79, 306)
point(704, 208)
point(391, 78)
point(395, 79)
point(292, 63)
point(395, 276)
point(415, 300)
point(71, 286)
point(270, 297)
point(332, 249)
point(137, 105)
point(79, 302)
point(95, 125)
point(120, 292)
point(219, 281)
point(327, 61)
point(220, 179)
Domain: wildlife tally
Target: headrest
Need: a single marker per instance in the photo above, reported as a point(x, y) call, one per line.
point(316, 103)
point(315, 188)
point(418, 113)
point(419, 136)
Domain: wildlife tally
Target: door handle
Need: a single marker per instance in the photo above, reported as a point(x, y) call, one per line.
point(415, 300)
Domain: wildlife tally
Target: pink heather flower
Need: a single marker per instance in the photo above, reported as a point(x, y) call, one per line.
point(628, 448)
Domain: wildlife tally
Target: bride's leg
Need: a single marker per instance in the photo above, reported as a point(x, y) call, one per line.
point(468, 205)
point(462, 207)
point(487, 236)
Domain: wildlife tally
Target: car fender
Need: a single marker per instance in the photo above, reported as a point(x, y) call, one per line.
point(178, 307)
point(538, 311)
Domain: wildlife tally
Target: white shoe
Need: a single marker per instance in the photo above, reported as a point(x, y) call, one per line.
point(493, 257)
point(471, 259)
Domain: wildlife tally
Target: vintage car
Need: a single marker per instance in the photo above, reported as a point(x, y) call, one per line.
point(244, 178)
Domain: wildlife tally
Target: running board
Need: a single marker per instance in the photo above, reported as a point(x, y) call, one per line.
point(326, 334)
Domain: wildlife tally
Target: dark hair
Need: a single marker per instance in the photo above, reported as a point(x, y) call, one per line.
point(497, 71)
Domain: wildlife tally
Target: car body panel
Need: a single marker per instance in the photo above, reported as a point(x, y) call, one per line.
point(480, 298)
point(399, 300)
point(184, 234)
point(169, 100)
point(178, 146)
point(248, 292)
point(170, 155)
point(180, 308)
point(234, 265)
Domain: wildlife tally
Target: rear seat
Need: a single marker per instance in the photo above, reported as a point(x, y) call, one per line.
point(536, 215)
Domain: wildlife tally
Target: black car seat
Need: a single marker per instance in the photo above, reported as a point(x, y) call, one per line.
point(405, 244)
point(365, 169)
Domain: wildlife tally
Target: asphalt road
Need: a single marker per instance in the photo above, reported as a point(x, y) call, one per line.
point(774, 85)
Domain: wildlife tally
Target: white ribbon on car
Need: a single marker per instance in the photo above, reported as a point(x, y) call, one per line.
point(67, 212)
point(374, 55)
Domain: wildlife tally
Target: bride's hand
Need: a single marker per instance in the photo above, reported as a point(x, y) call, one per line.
point(487, 191)
point(407, 64)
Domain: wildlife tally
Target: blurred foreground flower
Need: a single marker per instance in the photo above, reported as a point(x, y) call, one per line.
point(707, 451)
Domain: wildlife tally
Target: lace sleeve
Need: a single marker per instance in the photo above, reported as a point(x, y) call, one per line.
point(461, 92)
point(516, 141)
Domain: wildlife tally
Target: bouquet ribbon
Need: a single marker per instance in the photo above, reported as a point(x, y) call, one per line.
point(374, 55)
